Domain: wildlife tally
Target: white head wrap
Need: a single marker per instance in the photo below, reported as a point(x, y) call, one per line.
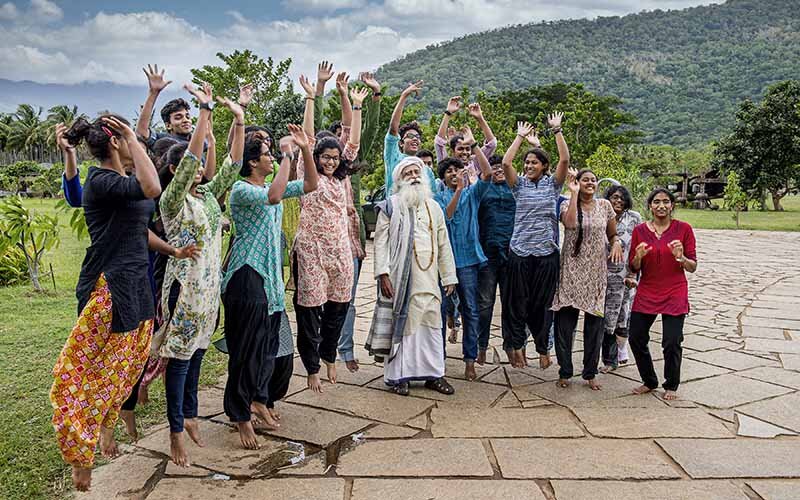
point(397, 173)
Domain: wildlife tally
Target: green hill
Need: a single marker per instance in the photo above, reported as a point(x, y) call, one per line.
point(681, 72)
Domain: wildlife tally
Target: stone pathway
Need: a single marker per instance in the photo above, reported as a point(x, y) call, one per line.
point(514, 434)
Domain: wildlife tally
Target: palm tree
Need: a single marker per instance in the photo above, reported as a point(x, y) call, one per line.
point(26, 129)
point(5, 129)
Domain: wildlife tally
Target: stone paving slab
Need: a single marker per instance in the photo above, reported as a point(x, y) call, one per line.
point(776, 489)
point(311, 425)
point(703, 343)
point(444, 489)
point(191, 471)
point(649, 400)
point(791, 313)
point(732, 360)
point(787, 324)
point(790, 361)
point(635, 423)
point(728, 391)
point(650, 490)
point(473, 394)
point(578, 393)
point(735, 458)
point(568, 459)
point(783, 411)
point(499, 422)
point(121, 477)
point(753, 427)
point(774, 375)
point(284, 489)
point(385, 431)
point(690, 370)
point(771, 345)
point(417, 458)
point(371, 404)
point(313, 466)
point(209, 402)
point(223, 451)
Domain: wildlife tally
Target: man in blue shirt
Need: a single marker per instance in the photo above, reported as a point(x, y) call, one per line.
point(496, 225)
point(460, 202)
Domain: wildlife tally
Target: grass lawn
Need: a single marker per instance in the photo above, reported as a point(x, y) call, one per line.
point(33, 328)
point(788, 220)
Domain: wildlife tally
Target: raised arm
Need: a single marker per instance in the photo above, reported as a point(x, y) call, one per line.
point(476, 112)
point(453, 106)
point(245, 97)
point(145, 170)
point(371, 114)
point(236, 151)
point(397, 114)
point(462, 182)
point(560, 175)
point(155, 83)
point(210, 166)
point(203, 97)
point(344, 99)
point(324, 73)
point(308, 114)
point(569, 217)
point(482, 161)
point(358, 95)
point(523, 129)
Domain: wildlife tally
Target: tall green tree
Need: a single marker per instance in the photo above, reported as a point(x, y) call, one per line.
point(26, 131)
point(764, 146)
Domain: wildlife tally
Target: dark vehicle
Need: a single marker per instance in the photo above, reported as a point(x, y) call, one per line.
point(370, 217)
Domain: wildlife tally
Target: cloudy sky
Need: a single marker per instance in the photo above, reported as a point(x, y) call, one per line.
point(73, 41)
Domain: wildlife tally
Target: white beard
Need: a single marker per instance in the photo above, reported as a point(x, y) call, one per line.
point(413, 195)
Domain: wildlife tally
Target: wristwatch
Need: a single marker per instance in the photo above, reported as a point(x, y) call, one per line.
point(207, 105)
point(289, 155)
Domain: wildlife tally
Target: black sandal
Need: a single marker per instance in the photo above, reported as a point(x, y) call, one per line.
point(440, 385)
point(401, 389)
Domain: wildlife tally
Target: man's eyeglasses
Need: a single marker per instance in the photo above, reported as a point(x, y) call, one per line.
point(411, 136)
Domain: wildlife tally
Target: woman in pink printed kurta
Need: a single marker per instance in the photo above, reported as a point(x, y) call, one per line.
point(322, 256)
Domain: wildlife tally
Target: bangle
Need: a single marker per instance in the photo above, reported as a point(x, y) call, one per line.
point(473, 145)
point(310, 98)
point(448, 112)
point(239, 124)
point(356, 108)
point(556, 130)
point(377, 94)
point(243, 105)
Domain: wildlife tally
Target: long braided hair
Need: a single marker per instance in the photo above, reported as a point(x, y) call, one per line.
point(579, 241)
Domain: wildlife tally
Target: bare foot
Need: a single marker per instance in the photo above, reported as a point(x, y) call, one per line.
point(594, 384)
point(177, 449)
point(108, 445)
point(274, 413)
point(264, 416)
point(314, 382)
point(481, 357)
point(453, 337)
point(670, 395)
point(545, 361)
point(519, 359)
point(352, 365)
point(331, 372)
point(129, 417)
point(510, 356)
point(82, 478)
point(642, 389)
point(524, 357)
point(192, 428)
point(469, 371)
point(563, 383)
point(606, 369)
point(248, 435)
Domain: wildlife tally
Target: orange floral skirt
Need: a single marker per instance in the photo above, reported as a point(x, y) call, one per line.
point(94, 375)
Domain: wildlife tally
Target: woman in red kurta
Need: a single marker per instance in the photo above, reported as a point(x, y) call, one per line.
point(664, 249)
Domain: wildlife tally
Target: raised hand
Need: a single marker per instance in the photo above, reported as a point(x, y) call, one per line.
point(63, 143)
point(451, 131)
point(358, 95)
point(454, 104)
point(413, 88)
point(246, 95)
point(190, 251)
point(370, 81)
point(306, 86)
point(524, 129)
point(462, 179)
point(554, 119)
point(573, 186)
point(677, 249)
point(120, 127)
point(469, 137)
point(475, 110)
point(341, 82)
point(533, 139)
point(155, 80)
point(642, 249)
point(324, 71)
point(203, 95)
point(297, 135)
point(237, 110)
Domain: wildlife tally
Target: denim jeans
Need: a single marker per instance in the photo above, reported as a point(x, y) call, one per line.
point(180, 380)
point(467, 289)
point(490, 276)
point(346, 339)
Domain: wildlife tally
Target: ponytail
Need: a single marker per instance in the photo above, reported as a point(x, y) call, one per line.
point(96, 134)
point(579, 241)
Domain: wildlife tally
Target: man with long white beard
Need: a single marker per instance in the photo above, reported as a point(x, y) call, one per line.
point(412, 251)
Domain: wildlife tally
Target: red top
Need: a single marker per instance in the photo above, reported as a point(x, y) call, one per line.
point(663, 288)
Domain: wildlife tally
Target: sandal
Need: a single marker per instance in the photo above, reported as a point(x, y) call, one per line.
point(440, 385)
point(401, 389)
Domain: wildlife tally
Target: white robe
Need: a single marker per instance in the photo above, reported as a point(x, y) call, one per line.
point(420, 355)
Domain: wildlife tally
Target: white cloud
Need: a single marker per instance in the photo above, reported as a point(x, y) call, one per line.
point(114, 47)
point(8, 12)
point(46, 10)
point(322, 5)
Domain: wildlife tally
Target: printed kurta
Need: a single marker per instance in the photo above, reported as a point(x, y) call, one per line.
point(192, 219)
point(323, 244)
point(618, 296)
point(583, 278)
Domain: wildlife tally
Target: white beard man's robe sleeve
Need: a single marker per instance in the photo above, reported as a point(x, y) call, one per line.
point(447, 266)
point(381, 245)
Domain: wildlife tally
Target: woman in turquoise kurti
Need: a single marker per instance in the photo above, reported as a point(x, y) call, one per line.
point(253, 291)
point(190, 294)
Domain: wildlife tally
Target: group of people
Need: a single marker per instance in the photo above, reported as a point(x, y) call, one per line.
point(460, 226)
